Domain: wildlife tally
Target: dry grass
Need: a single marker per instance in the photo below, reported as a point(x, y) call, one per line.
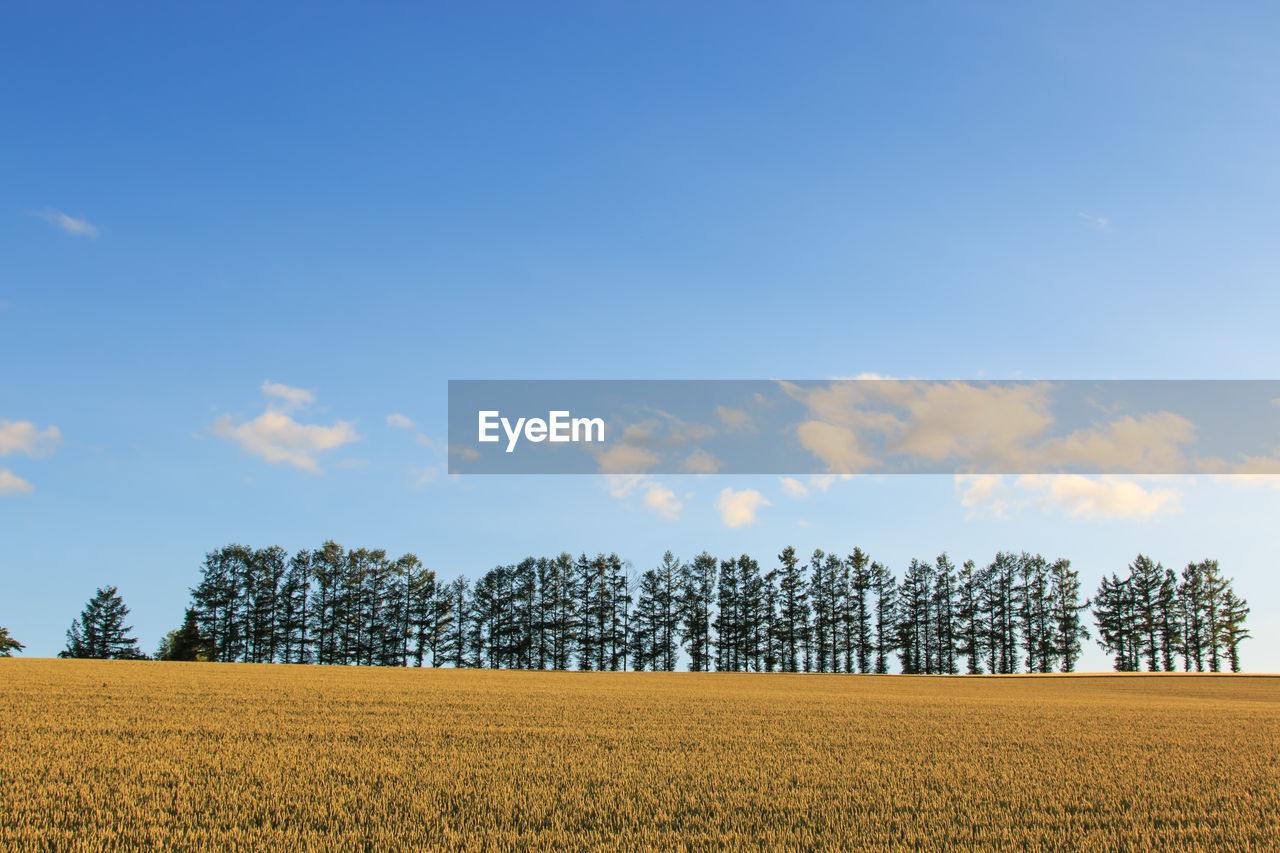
point(123, 755)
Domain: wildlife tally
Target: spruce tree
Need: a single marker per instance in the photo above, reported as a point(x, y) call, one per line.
point(696, 597)
point(100, 632)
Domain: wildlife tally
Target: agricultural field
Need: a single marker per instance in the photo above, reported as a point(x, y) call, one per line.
point(100, 755)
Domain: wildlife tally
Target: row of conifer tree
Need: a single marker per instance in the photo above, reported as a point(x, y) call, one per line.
point(1018, 613)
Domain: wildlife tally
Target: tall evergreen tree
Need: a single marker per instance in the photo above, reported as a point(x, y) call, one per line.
point(697, 591)
point(886, 615)
point(728, 619)
point(860, 610)
point(99, 632)
point(1065, 608)
point(1234, 612)
point(793, 616)
point(945, 617)
point(971, 630)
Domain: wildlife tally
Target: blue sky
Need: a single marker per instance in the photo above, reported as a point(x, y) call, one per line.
point(364, 203)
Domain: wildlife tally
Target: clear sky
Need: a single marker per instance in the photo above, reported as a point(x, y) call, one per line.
point(207, 208)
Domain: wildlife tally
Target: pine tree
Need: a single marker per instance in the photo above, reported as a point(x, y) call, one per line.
point(944, 608)
point(860, 615)
point(184, 643)
point(100, 632)
point(1145, 579)
point(645, 623)
point(8, 645)
point(697, 589)
point(971, 628)
point(886, 615)
point(1168, 626)
point(825, 594)
point(1234, 612)
point(562, 605)
point(793, 617)
point(1065, 608)
point(666, 642)
point(728, 620)
point(618, 595)
point(1118, 628)
point(1033, 608)
point(1191, 614)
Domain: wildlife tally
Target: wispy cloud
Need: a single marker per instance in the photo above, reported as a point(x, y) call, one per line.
point(25, 437)
point(794, 487)
point(400, 421)
point(70, 224)
point(733, 419)
point(292, 398)
point(654, 496)
point(1101, 223)
point(276, 437)
point(701, 462)
point(12, 484)
point(1076, 495)
point(817, 482)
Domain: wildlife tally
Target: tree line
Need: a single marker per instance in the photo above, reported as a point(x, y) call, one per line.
point(829, 613)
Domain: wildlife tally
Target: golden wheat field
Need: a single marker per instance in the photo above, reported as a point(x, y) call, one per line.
point(142, 755)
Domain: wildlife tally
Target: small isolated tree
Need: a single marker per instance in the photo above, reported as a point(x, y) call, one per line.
point(100, 631)
point(185, 643)
point(8, 645)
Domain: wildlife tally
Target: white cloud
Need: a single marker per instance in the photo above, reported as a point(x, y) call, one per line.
point(1078, 496)
point(739, 508)
point(983, 493)
point(733, 419)
point(794, 487)
point(276, 437)
point(12, 484)
point(986, 425)
point(1148, 444)
point(654, 496)
point(400, 421)
point(701, 462)
point(78, 227)
point(663, 501)
point(293, 397)
point(24, 437)
point(469, 454)
point(680, 431)
point(1099, 497)
point(836, 446)
point(626, 459)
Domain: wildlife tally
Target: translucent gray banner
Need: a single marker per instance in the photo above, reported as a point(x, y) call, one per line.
point(864, 426)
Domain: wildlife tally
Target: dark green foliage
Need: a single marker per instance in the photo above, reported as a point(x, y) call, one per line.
point(185, 643)
point(1018, 613)
point(100, 632)
point(1150, 617)
point(697, 588)
point(8, 645)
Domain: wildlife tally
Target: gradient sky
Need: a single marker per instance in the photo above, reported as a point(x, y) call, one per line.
point(200, 200)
